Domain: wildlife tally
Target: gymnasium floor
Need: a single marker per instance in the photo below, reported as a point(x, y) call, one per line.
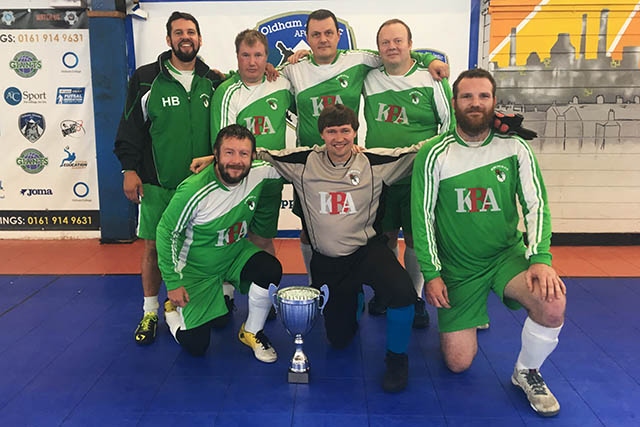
point(67, 356)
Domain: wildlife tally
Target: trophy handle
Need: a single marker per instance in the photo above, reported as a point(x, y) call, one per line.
point(273, 290)
point(324, 293)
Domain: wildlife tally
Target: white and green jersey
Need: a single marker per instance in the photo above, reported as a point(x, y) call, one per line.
point(464, 208)
point(340, 82)
point(203, 221)
point(317, 86)
point(261, 108)
point(403, 110)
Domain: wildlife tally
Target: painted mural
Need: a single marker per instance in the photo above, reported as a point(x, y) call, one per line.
point(572, 68)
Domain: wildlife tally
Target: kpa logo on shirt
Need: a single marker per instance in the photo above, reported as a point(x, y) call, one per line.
point(476, 200)
point(337, 203)
point(395, 114)
point(232, 234)
point(319, 102)
point(259, 125)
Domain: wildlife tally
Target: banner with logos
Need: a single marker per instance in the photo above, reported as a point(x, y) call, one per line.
point(48, 171)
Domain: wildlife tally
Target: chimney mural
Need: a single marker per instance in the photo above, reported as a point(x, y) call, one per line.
point(571, 96)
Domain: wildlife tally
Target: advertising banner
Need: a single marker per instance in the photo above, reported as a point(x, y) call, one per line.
point(48, 173)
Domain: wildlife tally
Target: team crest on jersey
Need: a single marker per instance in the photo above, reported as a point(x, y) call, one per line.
point(273, 103)
point(31, 126)
point(354, 177)
point(343, 80)
point(205, 100)
point(251, 203)
point(501, 172)
point(415, 97)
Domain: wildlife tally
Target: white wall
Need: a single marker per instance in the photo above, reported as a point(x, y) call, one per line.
point(430, 22)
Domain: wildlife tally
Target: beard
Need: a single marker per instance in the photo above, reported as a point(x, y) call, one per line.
point(223, 170)
point(474, 126)
point(185, 57)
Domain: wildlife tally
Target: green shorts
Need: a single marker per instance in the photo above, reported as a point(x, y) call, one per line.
point(265, 217)
point(152, 206)
point(397, 208)
point(206, 300)
point(468, 298)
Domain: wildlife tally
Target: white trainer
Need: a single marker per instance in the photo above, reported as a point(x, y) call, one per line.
point(540, 397)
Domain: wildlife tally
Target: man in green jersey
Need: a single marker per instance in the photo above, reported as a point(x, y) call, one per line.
point(331, 76)
point(465, 225)
point(249, 99)
point(403, 104)
point(202, 243)
point(166, 122)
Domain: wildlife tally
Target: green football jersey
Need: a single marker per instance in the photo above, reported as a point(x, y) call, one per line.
point(403, 110)
point(464, 204)
point(261, 108)
point(203, 220)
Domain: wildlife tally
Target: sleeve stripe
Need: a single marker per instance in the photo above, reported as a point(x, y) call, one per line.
point(225, 119)
point(430, 198)
point(532, 190)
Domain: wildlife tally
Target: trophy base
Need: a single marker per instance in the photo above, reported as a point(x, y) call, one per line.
point(298, 377)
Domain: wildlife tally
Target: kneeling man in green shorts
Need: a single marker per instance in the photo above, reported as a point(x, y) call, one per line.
point(201, 241)
point(465, 226)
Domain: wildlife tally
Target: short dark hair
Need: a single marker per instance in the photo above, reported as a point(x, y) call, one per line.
point(234, 131)
point(251, 37)
point(474, 73)
point(390, 22)
point(321, 15)
point(337, 115)
point(181, 15)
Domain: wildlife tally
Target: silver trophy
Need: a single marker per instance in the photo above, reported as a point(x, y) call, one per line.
point(298, 307)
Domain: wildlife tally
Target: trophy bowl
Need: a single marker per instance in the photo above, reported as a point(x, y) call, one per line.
point(298, 307)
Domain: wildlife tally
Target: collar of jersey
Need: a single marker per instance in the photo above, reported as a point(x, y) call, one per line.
point(461, 141)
